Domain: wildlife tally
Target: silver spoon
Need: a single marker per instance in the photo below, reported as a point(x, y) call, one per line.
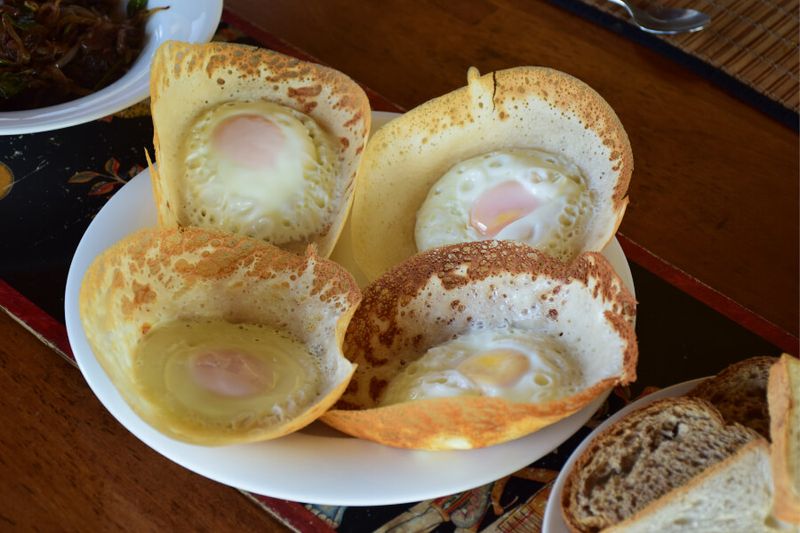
point(665, 20)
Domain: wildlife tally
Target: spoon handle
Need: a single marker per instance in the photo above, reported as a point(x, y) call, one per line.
point(624, 4)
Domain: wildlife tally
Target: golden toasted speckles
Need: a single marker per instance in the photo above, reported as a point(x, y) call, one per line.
point(136, 298)
point(142, 293)
point(304, 92)
point(213, 63)
point(117, 280)
point(354, 120)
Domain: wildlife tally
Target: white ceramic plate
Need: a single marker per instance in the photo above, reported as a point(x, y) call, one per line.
point(553, 520)
point(317, 464)
point(193, 21)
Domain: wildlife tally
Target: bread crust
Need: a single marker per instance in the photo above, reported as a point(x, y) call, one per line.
point(784, 394)
point(739, 392)
point(436, 295)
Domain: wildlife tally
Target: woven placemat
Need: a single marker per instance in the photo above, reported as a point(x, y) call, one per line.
point(755, 41)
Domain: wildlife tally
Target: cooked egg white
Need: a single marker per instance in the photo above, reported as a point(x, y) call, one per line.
point(515, 364)
point(523, 195)
point(215, 373)
point(259, 169)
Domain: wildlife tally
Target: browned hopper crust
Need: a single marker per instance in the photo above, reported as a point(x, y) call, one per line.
point(158, 275)
point(188, 79)
point(522, 107)
point(439, 294)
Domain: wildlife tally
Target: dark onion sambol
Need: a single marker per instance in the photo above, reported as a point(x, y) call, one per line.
point(59, 50)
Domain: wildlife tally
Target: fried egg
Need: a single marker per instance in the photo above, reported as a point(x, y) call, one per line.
point(524, 195)
point(515, 364)
point(217, 373)
point(260, 169)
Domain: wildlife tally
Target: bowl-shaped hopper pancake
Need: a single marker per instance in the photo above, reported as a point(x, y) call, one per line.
point(443, 293)
point(154, 277)
point(518, 108)
point(189, 80)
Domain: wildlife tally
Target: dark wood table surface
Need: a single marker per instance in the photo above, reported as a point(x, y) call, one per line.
point(714, 194)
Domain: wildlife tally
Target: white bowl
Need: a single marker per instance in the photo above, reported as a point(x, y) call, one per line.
point(185, 20)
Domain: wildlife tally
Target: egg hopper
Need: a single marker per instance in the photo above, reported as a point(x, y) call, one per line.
point(155, 276)
point(189, 79)
point(316, 464)
point(523, 107)
point(439, 294)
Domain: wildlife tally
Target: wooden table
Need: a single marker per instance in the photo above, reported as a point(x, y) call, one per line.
point(714, 190)
point(714, 194)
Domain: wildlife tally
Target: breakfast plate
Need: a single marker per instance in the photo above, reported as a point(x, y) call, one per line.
point(553, 520)
point(184, 21)
point(317, 464)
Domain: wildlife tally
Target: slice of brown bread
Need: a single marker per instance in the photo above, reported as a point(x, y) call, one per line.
point(643, 456)
point(714, 501)
point(740, 393)
point(784, 407)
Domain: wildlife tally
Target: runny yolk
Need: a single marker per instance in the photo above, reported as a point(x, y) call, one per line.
point(250, 141)
point(501, 367)
point(229, 372)
point(500, 206)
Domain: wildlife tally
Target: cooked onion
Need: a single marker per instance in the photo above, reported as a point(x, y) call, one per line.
point(55, 51)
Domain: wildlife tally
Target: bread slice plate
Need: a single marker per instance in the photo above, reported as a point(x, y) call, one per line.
point(317, 464)
point(553, 520)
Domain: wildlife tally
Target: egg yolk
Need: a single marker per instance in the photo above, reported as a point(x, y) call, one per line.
point(515, 364)
point(260, 169)
point(501, 367)
point(500, 206)
point(517, 194)
point(210, 372)
point(231, 372)
point(250, 141)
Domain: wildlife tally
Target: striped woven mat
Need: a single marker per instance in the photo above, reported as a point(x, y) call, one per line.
point(754, 41)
